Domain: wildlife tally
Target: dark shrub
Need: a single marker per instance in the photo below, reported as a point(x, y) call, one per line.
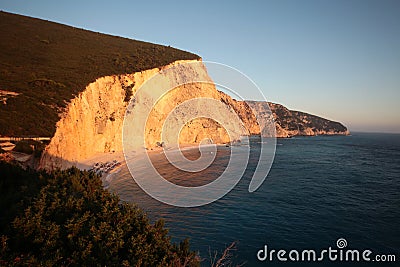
point(73, 221)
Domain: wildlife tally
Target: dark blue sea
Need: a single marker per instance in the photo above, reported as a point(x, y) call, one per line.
point(319, 189)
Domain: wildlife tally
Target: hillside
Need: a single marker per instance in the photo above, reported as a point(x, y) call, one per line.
point(43, 65)
point(294, 123)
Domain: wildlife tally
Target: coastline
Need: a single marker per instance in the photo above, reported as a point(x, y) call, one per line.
point(120, 157)
point(117, 160)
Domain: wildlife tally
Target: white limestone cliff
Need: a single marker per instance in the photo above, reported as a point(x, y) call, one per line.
point(93, 121)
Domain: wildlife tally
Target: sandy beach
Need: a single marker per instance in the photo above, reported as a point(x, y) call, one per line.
point(117, 159)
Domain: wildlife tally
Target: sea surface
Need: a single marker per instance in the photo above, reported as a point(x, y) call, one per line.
point(319, 189)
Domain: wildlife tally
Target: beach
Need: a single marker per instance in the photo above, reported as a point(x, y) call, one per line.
point(109, 164)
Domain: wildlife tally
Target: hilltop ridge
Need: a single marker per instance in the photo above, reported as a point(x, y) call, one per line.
point(43, 65)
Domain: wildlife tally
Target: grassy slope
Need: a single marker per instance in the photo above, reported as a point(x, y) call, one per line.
point(49, 63)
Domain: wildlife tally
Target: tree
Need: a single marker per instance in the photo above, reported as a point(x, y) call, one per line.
point(73, 221)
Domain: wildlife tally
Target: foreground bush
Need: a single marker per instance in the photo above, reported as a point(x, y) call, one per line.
point(73, 221)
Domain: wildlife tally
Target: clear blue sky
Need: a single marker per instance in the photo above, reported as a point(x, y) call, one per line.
point(336, 59)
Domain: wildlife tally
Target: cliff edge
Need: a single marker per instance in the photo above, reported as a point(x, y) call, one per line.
point(74, 86)
point(93, 121)
point(44, 65)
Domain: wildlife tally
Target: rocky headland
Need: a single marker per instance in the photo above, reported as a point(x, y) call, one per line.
point(74, 86)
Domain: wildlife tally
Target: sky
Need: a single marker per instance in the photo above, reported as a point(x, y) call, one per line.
point(336, 59)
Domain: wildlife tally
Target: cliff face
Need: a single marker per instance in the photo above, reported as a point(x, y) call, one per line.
point(93, 121)
point(290, 123)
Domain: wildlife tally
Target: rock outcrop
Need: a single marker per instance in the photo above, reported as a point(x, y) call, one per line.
point(290, 123)
point(93, 121)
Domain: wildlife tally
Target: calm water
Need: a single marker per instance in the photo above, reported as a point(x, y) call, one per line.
point(318, 190)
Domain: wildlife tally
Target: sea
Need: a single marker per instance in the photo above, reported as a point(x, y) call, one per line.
point(323, 193)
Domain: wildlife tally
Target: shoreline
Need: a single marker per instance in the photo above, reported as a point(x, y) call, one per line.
point(119, 158)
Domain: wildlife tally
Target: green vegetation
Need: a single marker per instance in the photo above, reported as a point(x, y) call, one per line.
point(66, 218)
point(295, 120)
point(318, 123)
point(49, 64)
